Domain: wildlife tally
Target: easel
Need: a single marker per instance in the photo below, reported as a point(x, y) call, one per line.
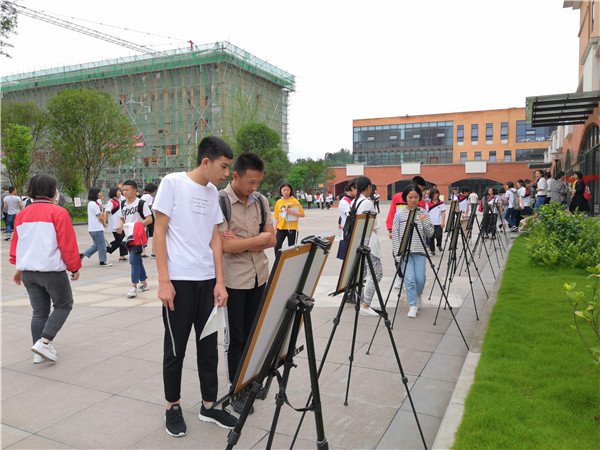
point(355, 285)
point(297, 312)
point(470, 224)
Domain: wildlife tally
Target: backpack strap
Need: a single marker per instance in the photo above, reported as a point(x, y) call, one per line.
point(263, 213)
point(141, 204)
point(225, 205)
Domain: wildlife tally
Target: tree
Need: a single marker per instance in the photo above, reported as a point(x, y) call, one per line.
point(17, 144)
point(88, 133)
point(339, 158)
point(315, 172)
point(8, 24)
point(296, 177)
point(260, 139)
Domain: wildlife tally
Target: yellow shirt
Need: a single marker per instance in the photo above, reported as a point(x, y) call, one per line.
point(282, 223)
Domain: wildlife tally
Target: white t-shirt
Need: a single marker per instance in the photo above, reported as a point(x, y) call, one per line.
point(436, 212)
point(113, 219)
point(193, 212)
point(526, 198)
point(367, 205)
point(473, 198)
point(148, 199)
point(130, 213)
point(12, 203)
point(93, 210)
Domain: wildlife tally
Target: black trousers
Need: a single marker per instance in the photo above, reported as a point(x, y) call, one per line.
point(281, 235)
point(437, 236)
point(242, 306)
point(118, 243)
point(193, 303)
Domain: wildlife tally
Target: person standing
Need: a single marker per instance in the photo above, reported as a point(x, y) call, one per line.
point(111, 217)
point(43, 249)
point(560, 190)
point(524, 198)
point(376, 198)
point(309, 200)
point(415, 270)
point(136, 213)
point(4, 209)
point(437, 214)
point(541, 188)
point(578, 200)
point(13, 204)
point(550, 185)
point(191, 279)
point(329, 200)
point(148, 197)
point(96, 225)
point(287, 211)
point(246, 233)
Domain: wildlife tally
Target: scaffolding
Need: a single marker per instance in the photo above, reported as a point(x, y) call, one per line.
point(173, 99)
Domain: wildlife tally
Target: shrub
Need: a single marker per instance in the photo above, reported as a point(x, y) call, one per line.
point(557, 238)
point(75, 211)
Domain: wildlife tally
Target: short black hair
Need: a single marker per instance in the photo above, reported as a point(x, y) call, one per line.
point(579, 174)
point(248, 161)
point(502, 190)
point(465, 189)
point(213, 148)
point(434, 191)
point(131, 183)
point(419, 181)
point(11, 189)
point(150, 187)
point(41, 185)
point(560, 174)
point(495, 191)
point(113, 191)
point(408, 189)
point(521, 182)
point(510, 184)
point(286, 185)
point(362, 183)
point(93, 194)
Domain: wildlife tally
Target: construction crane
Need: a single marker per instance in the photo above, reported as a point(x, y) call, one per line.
point(80, 29)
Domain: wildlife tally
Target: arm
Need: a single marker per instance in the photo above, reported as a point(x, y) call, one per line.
point(443, 219)
point(102, 219)
point(67, 240)
point(220, 293)
point(233, 244)
point(390, 218)
point(166, 291)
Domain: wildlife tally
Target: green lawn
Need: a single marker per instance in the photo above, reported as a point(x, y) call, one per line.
point(535, 386)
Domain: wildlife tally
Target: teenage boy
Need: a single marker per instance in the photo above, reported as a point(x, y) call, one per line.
point(513, 211)
point(245, 234)
point(148, 197)
point(12, 202)
point(191, 282)
point(133, 211)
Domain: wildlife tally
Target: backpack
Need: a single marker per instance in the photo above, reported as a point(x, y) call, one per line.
point(141, 204)
point(516, 204)
point(226, 208)
point(350, 220)
point(587, 194)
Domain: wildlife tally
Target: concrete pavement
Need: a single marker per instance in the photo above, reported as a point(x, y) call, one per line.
point(106, 389)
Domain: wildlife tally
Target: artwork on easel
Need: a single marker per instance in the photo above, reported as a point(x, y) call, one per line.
point(455, 232)
point(471, 217)
point(452, 212)
point(407, 231)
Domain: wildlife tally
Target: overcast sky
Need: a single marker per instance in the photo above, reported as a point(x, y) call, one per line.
point(352, 59)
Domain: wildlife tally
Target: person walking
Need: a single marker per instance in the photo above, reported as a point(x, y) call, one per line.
point(4, 208)
point(309, 200)
point(287, 211)
point(43, 249)
point(376, 198)
point(96, 225)
point(578, 201)
point(415, 270)
point(111, 217)
point(191, 281)
point(12, 203)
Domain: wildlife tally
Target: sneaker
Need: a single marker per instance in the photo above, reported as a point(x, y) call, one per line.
point(132, 292)
point(37, 359)
point(104, 264)
point(46, 351)
point(143, 287)
point(432, 253)
point(412, 312)
point(439, 248)
point(144, 256)
point(174, 421)
point(153, 256)
point(7, 237)
point(398, 283)
point(419, 301)
point(239, 403)
point(368, 312)
point(81, 255)
point(221, 417)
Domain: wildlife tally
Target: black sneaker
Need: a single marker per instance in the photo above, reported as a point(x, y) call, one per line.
point(174, 420)
point(239, 404)
point(221, 417)
point(81, 255)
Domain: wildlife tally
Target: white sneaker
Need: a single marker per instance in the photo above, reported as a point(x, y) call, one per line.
point(368, 312)
point(132, 292)
point(37, 359)
point(143, 287)
point(412, 312)
point(398, 283)
point(419, 301)
point(46, 351)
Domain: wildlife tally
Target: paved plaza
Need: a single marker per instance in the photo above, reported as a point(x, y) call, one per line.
point(106, 391)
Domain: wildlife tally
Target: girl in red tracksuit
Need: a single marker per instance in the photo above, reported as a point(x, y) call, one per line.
point(43, 248)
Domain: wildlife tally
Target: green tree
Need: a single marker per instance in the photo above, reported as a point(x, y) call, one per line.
point(17, 144)
point(316, 172)
point(339, 158)
point(296, 177)
point(8, 25)
point(260, 139)
point(88, 133)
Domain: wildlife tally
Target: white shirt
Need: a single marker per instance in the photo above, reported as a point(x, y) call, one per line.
point(526, 198)
point(435, 213)
point(367, 205)
point(148, 199)
point(12, 203)
point(193, 212)
point(130, 213)
point(473, 197)
point(94, 209)
point(113, 219)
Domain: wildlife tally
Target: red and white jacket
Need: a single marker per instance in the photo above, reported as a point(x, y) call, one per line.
point(44, 239)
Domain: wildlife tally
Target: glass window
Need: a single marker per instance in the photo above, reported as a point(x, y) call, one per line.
point(492, 157)
point(460, 133)
point(530, 154)
point(474, 132)
point(527, 133)
point(507, 155)
point(463, 157)
point(477, 156)
point(504, 131)
point(489, 131)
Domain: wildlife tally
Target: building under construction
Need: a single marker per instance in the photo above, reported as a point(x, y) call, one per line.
point(174, 99)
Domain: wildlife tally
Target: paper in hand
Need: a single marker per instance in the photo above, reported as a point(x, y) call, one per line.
point(215, 322)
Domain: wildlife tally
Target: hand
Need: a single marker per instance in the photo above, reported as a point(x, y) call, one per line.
point(119, 230)
point(75, 276)
point(220, 294)
point(17, 277)
point(422, 217)
point(229, 235)
point(390, 234)
point(166, 294)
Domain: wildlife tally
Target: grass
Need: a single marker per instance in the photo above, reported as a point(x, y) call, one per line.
point(535, 386)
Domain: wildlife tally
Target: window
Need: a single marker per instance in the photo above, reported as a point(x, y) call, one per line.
point(507, 155)
point(530, 154)
point(477, 156)
point(489, 132)
point(474, 132)
point(463, 157)
point(171, 150)
point(504, 131)
point(460, 133)
point(527, 133)
point(492, 157)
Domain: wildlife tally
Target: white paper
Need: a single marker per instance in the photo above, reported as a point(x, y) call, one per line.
point(215, 322)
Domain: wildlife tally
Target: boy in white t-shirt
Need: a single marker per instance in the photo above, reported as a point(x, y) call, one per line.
point(130, 214)
point(191, 281)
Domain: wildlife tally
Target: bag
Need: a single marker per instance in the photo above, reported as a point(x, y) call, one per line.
point(226, 208)
point(516, 204)
point(141, 204)
point(350, 220)
point(587, 194)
